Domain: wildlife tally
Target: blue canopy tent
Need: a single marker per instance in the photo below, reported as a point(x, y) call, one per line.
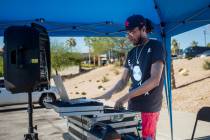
point(106, 18)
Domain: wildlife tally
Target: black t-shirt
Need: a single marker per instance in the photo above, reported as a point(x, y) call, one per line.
point(139, 61)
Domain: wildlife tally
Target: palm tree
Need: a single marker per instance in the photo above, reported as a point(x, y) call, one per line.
point(71, 42)
point(194, 43)
point(175, 47)
point(89, 43)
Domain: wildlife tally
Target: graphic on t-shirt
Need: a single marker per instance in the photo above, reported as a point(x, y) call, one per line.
point(137, 74)
point(149, 50)
point(146, 94)
point(129, 62)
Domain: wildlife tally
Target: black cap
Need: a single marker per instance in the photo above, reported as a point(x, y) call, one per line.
point(135, 21)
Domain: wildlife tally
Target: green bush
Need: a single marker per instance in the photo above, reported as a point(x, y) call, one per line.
point(87, 65)
point(62, 58)
point(206, 65)
point(1, 66)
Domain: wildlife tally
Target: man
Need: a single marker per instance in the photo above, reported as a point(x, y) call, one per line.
point(144, 65)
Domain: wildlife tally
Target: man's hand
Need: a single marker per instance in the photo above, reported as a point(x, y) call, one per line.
point(106, 96)
point(121, 101)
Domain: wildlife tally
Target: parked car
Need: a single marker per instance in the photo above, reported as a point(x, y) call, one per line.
point(194, 51)
point(205, 54)
point(7, 98)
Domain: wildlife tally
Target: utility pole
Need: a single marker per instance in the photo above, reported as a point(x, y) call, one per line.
point(204, 32)
point(89, 61)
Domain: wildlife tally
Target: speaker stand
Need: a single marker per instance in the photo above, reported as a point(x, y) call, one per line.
point(31, 134)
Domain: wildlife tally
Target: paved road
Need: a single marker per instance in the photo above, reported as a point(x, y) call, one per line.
point(14, 123)
point(183, 127)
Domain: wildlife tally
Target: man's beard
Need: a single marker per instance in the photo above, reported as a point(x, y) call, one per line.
point(140, 41)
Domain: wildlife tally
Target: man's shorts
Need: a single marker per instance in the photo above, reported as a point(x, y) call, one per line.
point(149, 124)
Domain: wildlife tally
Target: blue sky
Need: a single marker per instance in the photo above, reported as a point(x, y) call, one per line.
point(184, 39)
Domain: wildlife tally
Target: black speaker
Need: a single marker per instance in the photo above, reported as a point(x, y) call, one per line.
point(26, 58)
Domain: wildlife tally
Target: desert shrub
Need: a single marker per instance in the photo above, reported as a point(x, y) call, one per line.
point(117, 64)
point(105, 79)
point(184, 72)
point(84, 93)
point(116, 72)
point(180, 69)
point(100, 86)
point(206, 65)
point(189, 58)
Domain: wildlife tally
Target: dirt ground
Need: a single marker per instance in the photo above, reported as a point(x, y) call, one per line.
point(192, 92)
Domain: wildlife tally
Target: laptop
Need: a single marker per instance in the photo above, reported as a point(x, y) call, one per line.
point(65, 98)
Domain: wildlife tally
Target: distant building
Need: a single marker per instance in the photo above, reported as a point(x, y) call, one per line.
point(103, 59)
point(100, 59)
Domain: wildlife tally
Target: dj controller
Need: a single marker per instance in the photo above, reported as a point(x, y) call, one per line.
point(89, 119)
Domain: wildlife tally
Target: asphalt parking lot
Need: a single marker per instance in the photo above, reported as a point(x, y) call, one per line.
point(14, 123)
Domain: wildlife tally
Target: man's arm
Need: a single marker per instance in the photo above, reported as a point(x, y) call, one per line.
point(121, 84)
point(152, 82)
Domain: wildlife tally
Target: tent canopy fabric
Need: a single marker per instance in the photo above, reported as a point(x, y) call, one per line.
point(103, 18)
point(106, 18)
